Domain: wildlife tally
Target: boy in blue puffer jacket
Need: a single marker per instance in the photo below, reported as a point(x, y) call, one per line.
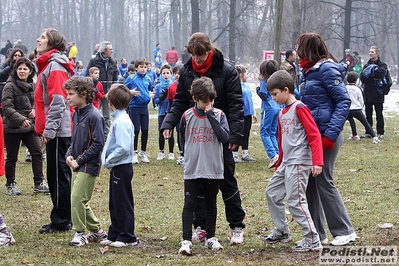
point(139, 85)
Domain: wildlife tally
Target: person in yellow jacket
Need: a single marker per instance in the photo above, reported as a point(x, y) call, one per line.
point(73, 51)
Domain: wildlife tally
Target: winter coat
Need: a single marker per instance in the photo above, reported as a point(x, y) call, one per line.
point(53, 113)
point(371, 94)
point(324, 93)
point(17, 102)
point(87, 139)
point(107, 75)
point(229, 95)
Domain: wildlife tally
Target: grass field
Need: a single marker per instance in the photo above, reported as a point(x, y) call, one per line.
point(366, 175)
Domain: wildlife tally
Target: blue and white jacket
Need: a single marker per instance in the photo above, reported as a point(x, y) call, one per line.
point(141, 83)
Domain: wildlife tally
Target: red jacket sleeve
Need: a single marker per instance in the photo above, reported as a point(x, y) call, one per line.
point(313, 134)
point(100, 91)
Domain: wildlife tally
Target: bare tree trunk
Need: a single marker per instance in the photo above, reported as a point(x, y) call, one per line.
point(176, 34)
point(278, 30)
point(195, 22)
point(232, 32)
point(296, 23)
point(184, 19)
point(347, 26)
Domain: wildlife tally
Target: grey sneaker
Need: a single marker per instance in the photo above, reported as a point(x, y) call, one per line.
point(237, 159)
point(304, 246)
point(41, 188)
point(248, 158)
point(380, 136)
point(12, 189)
point(366, 136)
point(273, 238)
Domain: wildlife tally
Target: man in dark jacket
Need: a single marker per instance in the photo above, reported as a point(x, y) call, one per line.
point(373, 97)
point(108, 75)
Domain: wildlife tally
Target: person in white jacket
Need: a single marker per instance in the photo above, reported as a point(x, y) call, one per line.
point(356, 108)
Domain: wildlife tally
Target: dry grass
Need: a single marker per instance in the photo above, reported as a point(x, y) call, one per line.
point(366, 175)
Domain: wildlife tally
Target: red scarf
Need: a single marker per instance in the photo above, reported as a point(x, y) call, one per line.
point(305, 64)
point(205, 66)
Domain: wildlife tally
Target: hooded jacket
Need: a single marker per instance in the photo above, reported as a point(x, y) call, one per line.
point(17, 103)
point(53, 113)
point(324, 93)
point(229, 95)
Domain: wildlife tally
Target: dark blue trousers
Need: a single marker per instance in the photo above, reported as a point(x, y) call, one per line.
point(121, 204)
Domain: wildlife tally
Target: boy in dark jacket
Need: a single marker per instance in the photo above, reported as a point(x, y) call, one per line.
point(84, 157)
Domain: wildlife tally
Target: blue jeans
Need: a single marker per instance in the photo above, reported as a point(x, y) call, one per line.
point(268, 131)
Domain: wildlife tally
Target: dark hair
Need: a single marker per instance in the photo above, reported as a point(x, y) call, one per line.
point(352, 77)
point(177, 68)
point(11, 54)
point(166, 66)
point(356, 53)
point(29, 64)
point(279, 80)
point(203, 89)
point(119, 96)
point(140, 61)
point(267, 68)
point(288, 53)
point(131, 67)
point(199, 44)
point(241, 69)
point(55, 39)
point(82, 85)
point(312, 47)
point(92, 69)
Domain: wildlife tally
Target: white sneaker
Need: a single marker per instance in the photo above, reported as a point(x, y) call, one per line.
point(106, 242)
point(185, 248)
point(171, 156)
point(213, 243)
point(237, 236)
point(135, 158)
point(144, 157)
point(324, 241)
point(376, 140)
point(119, 244)
point(344, 240)
point(79, 239)
point(161, 156)
point(273, 161)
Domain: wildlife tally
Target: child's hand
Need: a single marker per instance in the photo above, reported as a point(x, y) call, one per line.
point(208, 107)
point(69, 160)
point(255, 118)
point(135, 92)
point(152, 94)
point(74, 165)
point(316, 170)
